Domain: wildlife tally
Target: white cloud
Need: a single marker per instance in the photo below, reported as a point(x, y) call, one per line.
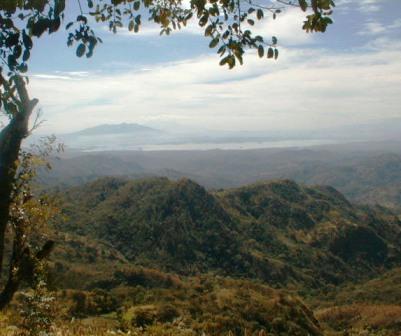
point(364, 6)
point(373, 27)
point(288, 26)
point(305, 88)
point(369, 6)
point(396, 24)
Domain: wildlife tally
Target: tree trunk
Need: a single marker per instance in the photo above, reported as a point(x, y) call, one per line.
point(10, 144)
point(22, 267)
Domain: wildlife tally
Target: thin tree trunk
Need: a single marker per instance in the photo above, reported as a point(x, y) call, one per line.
point(10, 144)
point(22, 267)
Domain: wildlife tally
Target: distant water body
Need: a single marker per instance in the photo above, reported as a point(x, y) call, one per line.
point(211, 145)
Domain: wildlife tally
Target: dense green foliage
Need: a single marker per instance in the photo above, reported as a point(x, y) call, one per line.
point(279, 231)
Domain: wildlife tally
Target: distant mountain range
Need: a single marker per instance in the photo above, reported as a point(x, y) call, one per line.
point(365, 177)
point(133, 136)
point(124, 128)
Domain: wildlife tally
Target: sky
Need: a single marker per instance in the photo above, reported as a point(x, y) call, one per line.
point(349, 75)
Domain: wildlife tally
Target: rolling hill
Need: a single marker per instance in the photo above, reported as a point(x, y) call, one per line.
point(166, 254)
point(279, 231)
point(227, 260)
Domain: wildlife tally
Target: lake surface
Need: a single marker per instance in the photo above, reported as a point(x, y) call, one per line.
point(210, 145)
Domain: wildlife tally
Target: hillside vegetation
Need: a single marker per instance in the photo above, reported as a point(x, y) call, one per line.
point(279, 232)
point(162, 255)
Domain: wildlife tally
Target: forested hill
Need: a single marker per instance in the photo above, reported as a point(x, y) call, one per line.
point(279, 231)
point(278, 256)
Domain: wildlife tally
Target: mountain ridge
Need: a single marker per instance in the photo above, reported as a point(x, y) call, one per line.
point(277, 231)
point(122, 128)
point(158, 253)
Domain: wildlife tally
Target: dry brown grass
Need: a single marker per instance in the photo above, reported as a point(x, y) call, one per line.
point(94, 327)
point(363, 316)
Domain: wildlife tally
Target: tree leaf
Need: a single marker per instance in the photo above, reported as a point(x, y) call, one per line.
point(261, 51)
point(26, 55)
point(270, 53)
point(26, 40)
point(303, 4)
point(214, 42)
point(81, 50)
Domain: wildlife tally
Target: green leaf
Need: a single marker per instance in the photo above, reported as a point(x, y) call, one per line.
point(214, 42)
point(39, 27)
point(26, 55)
point(222, 50)
point(270, 53)
point(17, 51)
point(82, 18)
point(208, 30)
point(303, 4)
point(231, 61)
point(224, 60)
point(23, 67)
point(261, 51)
point(54, 25)
point(81, 50)
point(26, 40)
point(59, 7)
point(11, 62)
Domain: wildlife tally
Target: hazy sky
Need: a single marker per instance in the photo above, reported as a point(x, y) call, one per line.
point(349, 75)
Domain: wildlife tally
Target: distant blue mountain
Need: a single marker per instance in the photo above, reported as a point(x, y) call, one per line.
point(123, 128)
